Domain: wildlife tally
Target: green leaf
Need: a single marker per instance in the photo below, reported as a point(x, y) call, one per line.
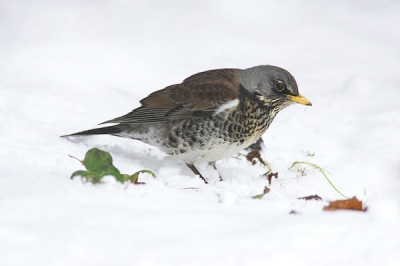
point(135, 177)
point(79, 173)
point(266, 191)
point(98, 164)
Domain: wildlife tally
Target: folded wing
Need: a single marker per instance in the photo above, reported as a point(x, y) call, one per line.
point(200, 95)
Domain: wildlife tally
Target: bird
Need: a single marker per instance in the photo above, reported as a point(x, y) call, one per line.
point(210, 116)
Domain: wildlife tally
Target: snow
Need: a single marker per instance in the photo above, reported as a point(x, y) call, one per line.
point(66, 66)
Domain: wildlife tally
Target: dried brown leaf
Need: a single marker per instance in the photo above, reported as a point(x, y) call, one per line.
point(348, 204)
point(312, 197)
point(269, 176)
point(253, 155)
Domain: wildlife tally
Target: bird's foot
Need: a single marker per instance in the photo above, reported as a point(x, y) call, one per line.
point(194, 169)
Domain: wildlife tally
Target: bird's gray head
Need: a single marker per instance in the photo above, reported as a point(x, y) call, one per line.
point(272, 86)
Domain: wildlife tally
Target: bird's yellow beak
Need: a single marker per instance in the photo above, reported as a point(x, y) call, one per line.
point(299, 99)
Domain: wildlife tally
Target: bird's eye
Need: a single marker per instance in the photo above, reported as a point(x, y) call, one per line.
point(279, 86)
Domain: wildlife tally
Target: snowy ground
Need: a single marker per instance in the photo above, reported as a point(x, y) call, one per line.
point(66, 66)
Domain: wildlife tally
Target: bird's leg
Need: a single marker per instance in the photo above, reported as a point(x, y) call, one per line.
point(213, 163)
point(194, 169)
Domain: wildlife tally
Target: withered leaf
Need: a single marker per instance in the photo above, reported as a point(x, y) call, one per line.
point(348, 204)
point(270, 176)
point(254, 154)
point(312, 197)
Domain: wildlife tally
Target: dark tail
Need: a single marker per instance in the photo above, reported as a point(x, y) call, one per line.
point(98, 131)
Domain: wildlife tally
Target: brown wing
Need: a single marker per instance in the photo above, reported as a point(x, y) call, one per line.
point(197, 96)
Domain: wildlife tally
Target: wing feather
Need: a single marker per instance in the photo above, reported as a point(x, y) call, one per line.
point(199, 95)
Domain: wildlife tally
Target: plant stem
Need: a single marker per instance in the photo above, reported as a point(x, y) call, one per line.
point(322, 171)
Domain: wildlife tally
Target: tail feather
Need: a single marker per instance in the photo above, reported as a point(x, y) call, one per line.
point(98, 131)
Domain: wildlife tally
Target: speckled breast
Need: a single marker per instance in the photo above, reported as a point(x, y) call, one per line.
point(216, 137)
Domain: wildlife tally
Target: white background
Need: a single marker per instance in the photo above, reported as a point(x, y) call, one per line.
point(66, 66)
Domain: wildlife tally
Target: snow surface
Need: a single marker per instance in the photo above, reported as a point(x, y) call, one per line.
point(66, 66)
